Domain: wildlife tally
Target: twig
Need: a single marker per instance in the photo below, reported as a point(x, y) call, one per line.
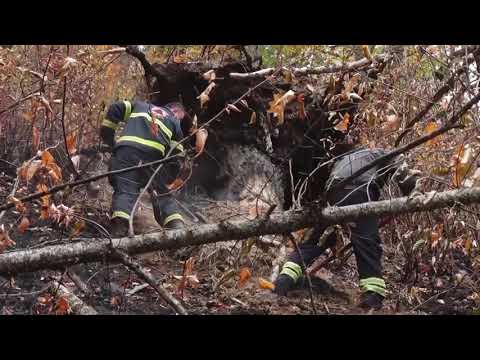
point(140, 271)
point(440, 293)
point(307, 275)
point(72, 184)
point(79, 283)
point(63, 123)
point(12, 193)
point(26, 294)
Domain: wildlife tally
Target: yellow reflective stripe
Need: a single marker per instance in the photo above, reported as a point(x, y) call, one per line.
point(292, 269)
point(374, 284)
point(290, 272)
point(121, 214)
point(294, 266)
point(373, 288)
point(172, 217)
point(165, 129)
point(128, 110)
point(373, 281)
point(139, 140)
point(109, 124)
point(177, 145)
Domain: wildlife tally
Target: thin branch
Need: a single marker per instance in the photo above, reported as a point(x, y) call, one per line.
point(148, 278)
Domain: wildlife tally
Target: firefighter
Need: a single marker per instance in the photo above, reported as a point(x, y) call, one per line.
point(149, 133)
point(365, 231)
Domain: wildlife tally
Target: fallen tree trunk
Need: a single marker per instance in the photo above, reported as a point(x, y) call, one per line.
point(90, 250)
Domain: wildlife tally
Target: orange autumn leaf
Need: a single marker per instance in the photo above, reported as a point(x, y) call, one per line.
point(35, 139)
point(278, 104)
point(429, 128)
point(343, 125)
point(45, 202)
point(200, 140)
point(176, 184)
point(28, 169)
point(24, 224)
point(5, 240)
point(72, 144)
point(48, 161)
point(462, 162)
point(18, 204)
point(265, 284)
point(62, 307)
point(245, 274)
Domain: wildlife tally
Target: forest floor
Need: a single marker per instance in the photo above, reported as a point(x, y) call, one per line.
point(118, 291)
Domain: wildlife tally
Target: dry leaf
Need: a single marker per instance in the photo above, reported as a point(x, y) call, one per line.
point(245, 274)
point(205, 95)
point(48, 108)
point(351, 83)
point(115, 301)
point(301, 106)
point(18, 204)
point(265, 284)
point(67, 65)
point(49, 162)
point(232, 107)
point(45, 202)
point(343, 125)
point(209, 75)
point(194, 124)
point(462, 162)
point(366, 52)
point(35, 139)
point(200, 140)
point(392, 123)
point(29, 116)
point(27, 171)
point(72, 144)
point(62, 307)
point(24, 224)
point(77, 228)
point(177, 183)
point(253, 119)
point(429, 128)
point(278, 104)
point(5, 240)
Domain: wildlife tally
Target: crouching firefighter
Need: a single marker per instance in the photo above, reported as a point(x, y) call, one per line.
point(364, 232)
point(149, 133)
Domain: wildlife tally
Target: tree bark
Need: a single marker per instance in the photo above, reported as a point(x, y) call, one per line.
point(90, 250)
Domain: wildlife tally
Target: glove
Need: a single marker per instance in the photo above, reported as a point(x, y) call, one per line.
point(283, 285)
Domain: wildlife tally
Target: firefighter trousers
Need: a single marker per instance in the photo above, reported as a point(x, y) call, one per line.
point(127, 185)
point(365, 240)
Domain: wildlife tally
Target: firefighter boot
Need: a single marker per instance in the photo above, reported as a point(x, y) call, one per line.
point(371, 300)
point(175, 225)
point(119, 227)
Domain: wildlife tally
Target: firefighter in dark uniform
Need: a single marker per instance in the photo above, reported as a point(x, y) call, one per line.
point(365, 231)
point(149, 133)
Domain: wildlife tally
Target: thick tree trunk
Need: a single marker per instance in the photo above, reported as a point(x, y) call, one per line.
point(89, 250)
